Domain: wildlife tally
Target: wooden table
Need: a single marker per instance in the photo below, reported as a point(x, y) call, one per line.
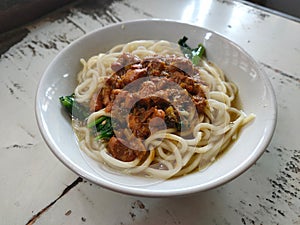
point(36, 188)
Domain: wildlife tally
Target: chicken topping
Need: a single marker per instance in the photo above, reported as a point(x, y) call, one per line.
point(146, 96)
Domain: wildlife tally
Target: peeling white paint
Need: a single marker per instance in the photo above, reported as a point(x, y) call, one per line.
point(31, 177)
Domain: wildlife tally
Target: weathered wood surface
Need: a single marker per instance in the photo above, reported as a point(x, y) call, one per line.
point(37, 189)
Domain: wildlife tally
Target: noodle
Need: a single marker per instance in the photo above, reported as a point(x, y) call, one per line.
point(169, 153)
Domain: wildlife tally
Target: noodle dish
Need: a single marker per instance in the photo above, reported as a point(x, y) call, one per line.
point(156, 113)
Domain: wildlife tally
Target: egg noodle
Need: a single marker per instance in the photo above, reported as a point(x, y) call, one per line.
point(169, 153)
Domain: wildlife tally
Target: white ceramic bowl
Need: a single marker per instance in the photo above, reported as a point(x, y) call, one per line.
point(256, 95)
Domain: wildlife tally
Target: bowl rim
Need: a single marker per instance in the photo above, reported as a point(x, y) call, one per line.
point(137, 191)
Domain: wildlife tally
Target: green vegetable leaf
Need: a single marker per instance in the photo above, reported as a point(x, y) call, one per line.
point(194, 54)
point(74, 108)
point(102, 127)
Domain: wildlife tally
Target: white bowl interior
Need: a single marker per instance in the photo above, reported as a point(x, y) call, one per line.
point(256, 95)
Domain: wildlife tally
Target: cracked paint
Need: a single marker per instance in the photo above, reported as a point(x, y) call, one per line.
point(267, 194)
point(36, 216)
